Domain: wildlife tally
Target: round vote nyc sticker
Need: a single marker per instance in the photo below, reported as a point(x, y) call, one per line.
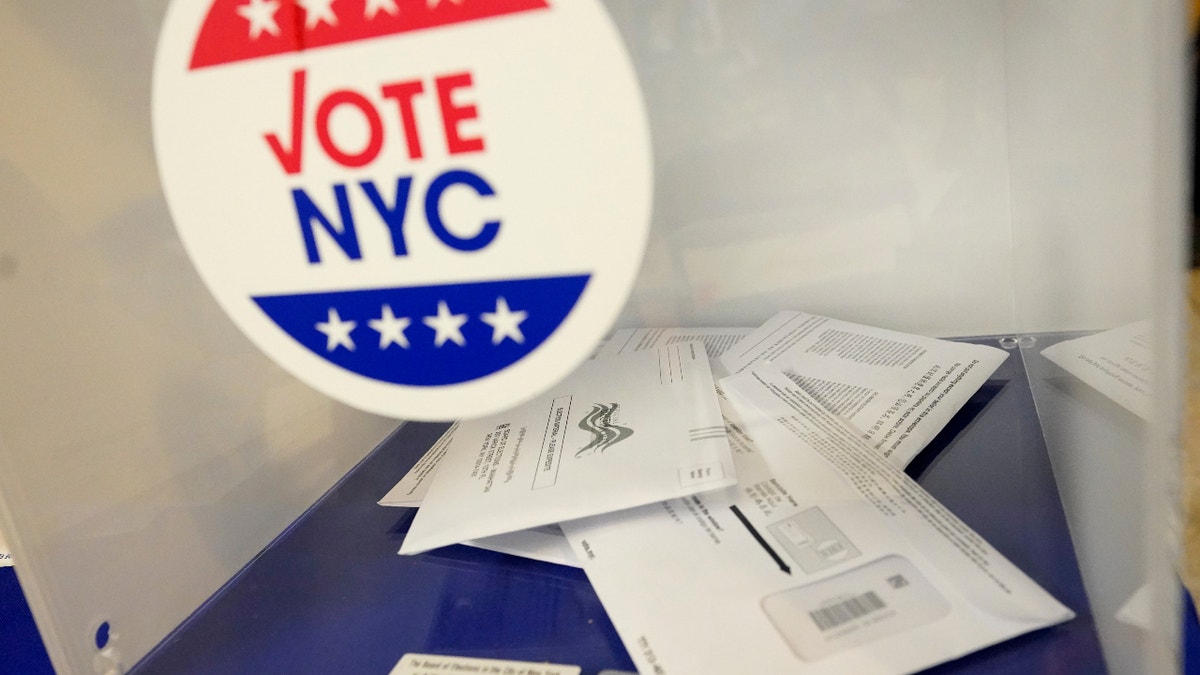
point(428, 209)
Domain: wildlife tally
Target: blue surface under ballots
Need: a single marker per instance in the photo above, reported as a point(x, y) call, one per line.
point(331, 595)
point(21, 649)
point(1191, 637)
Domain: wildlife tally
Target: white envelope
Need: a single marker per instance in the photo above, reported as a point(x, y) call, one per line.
point(545, 543)
point(899, 389)
point(618, 433)
point(825, 559)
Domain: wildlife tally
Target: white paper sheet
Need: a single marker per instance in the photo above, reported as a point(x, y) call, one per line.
point(440, 664)
point(410, 491)
point(1118, 363)
point(619, 432)
point(716, 340)
point(825, 559)
point(899, 389)
point(5, 555)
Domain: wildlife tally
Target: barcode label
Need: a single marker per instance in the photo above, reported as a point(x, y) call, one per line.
point(849, 610)
point(881, 598)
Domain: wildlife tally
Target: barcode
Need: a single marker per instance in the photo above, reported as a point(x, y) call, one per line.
point(836, 615)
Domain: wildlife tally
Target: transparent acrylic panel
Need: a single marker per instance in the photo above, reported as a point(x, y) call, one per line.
point(1097, 146)
point(838, 158)
point(147, 449)
point(1004, 168)
point(946, 168)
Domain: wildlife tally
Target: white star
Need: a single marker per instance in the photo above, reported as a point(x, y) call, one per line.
point(337, 331)
point(261, 15)
point(505, 323)
point(447, 326)
point(390, 328)
point(316, 11)
point(373, 7)
point(430, 4)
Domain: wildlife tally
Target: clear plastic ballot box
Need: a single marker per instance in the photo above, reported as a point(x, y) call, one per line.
point(1006, 172)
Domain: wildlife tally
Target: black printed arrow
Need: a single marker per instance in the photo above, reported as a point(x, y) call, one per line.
point(761, 542)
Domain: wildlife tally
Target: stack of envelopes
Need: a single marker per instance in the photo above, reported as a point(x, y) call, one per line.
point(738, 500)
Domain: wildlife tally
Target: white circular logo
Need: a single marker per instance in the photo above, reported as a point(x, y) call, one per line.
point(428, 209)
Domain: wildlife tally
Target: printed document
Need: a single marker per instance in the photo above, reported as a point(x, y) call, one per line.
point(410, 491)
point(1118, 363)
point(716, 340)
point(825, 559)
point(441, 664)
point(899, 389)
point(619, 432)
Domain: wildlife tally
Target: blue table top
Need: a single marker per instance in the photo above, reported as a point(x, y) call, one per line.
point(21, 649)
point(331, 594)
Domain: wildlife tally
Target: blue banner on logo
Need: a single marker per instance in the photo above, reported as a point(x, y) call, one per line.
point(428, 335)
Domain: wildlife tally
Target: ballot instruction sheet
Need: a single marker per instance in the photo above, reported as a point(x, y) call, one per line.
point(619, 432)
point(900, 390)
point(825, 559)
point(1118, 363)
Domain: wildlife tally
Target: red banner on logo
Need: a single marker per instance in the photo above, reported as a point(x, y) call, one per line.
point(239, 30)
